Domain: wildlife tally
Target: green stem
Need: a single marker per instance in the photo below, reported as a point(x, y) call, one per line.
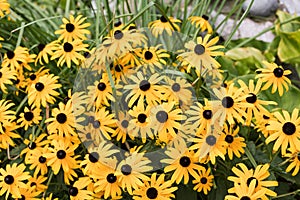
point(97, 21)
point(239, 23)
point(250, 156)
point(21, 105)
point(286, 194)
point(48, 183)
point(67, 8)
point(20, 35)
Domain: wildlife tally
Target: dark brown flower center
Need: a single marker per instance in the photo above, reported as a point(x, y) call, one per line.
point(111, 178)
point(162, 116)
point(61, 118)
point(28, 116)
point(278, 72)
point(96, 124)
point(148, 55)
point(94, 157)
point(205, 17)
point(211, 140)
point(10, 54)
point(32, 77)
point(163, 19)
point(126, 169)
point(0, 74)
point(289, 128)
point(145, 85)
point(175, 87)
point(101, 86)
point(9, 179)
point(118, 34)
point(203, 180)
point(73, 191)
point(70, 27)
point(118, 68)
point(207, 114)
point(251, 98)
point(245, 198)
point(227, 102)
point(32, 145)
point(229, 139)
point(42, 159)
point(39, 86)
point(68, 47)
point(185, 161)
point(142, 118)
point(117, 24)
point(125, 123)
point(41, 47)
point(61, 154)
point(250, 179)
point(152, 193)
point(199, 49)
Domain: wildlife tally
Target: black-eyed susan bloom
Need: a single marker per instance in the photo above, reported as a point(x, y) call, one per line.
point(73, 29)
point(79, 191)
point(104, 121)
point(33, 77)
point(37, 161)
point(275, 76)
point(37, 183)
point(157, 27)
point(43, 91)
point(122, 129)
point(62, 120)
point(294, 162)
point(29, 117)
point(166, 119)
point(62, 155)
point(13, 58)
point(7, 134)
point(235, 144)
point(131, 171)
point(259, 175)
point(6, 114)
point(183, 162)
point(106, 180)
point(12, 179)
point(286, 129)
point(200, 54)
point(45, 50)
point(203, 181)
point(202, 23)
point(68, 52)
point(156, 188)
point(6, 77)
point(4, 8)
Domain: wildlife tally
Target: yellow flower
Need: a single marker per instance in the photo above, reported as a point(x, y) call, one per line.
point(202, 23)
point(157, 27)
point(4, 8)
point(203, 181)
point(6, 77)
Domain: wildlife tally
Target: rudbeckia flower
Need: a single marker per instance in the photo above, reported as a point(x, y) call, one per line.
point(44, 51)
point(79, 191)
point(34, 77)
point(200, 54)
point(37, 161)
point(203, 181)
point(157, 27)
point(6, 77)
point(130, 171)
point(258, 176)
point(13, 58)
point(4, 8)
point(5, 113)
point(123, 123)
point(294, 161)
point(202, 23)
point(29, 117)
point(73, 29)
point(36, 183)
point(43, 91)
point(274, 76)
point(286, 129)
point(183, 162)
point(11, 179)
point(7, 134)
point(69, 51)
point(156, 188)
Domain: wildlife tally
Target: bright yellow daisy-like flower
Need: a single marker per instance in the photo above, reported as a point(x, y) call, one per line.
point(44, 51)
point(274, 76)
point(252, 92)
point(231, 104)
point(34, 77)
point(62, 156)
point(183, 162)
point(235, 144)
point(79, 191)
point(29, 117)
point(37, 161)
point(106, 181)
point(152, 57)
point(28, 193)
point(246, 191)
point(13, 58)
point(11, 179)
point(203, 181)
point(200, 54)
point(4, 8)
point(73, 29)
point(246, 176)
point(202, 23)
point(62, 119)
point(5, 113)
point(36, 183)
point(156, 188)
point(6, 77)
point(69, 52)
point(143, 88)
point(130, 171)
point(43, 91)
point(209, 146)
point(123, 127)
point(286, 129)
point(101, 92)
point(7, 134)
point(157, 27)
point(294, 159)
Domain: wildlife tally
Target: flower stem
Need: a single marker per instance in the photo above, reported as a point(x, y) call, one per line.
point(286, 194)
point(250, 156)
point(21, 105)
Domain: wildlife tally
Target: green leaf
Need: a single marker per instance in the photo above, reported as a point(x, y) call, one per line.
point(288, 49)
point(186, 192)
point(244, 52)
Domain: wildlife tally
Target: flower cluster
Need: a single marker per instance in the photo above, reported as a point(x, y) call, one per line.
point(149, 111)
